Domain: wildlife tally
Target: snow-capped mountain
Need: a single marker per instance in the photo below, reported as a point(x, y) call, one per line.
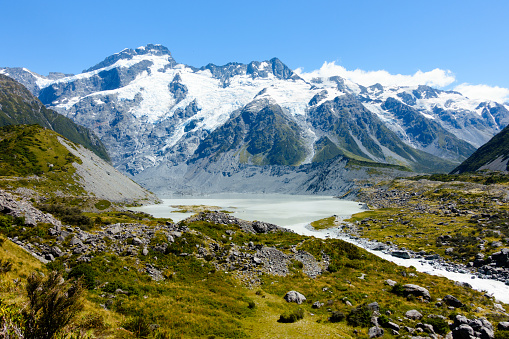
point(151, 111)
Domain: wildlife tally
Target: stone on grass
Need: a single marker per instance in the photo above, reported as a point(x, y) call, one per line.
point(295, 297)
point(413, 314)
point(375, 332)
point(503, 326)
point(417, 291)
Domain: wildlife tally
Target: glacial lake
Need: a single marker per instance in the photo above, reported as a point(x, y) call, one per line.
point(296, 212)
point(281, 209)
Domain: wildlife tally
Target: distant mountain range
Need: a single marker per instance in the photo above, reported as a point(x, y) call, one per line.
point(159, 118)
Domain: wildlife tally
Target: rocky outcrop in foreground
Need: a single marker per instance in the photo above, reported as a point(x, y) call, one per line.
point(247, 260)
point(21, 208)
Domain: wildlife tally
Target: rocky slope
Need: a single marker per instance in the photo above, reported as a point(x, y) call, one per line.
point(152, 112)
point(493, 156)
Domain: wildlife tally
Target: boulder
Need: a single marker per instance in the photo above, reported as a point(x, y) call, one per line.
point(413, 314)
point(503, 326)
point(317, 304)
point(401, 254)
point(501, 258)
point(460, 319)
point(415, 290)
point(375, 332)
point(295, 297)
point(390, 282)
point(392, 326)
point(452, 301)
point(463, 331)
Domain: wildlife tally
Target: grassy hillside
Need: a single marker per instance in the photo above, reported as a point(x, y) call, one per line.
point(36, 155)
point(205, 293)
point(19, 107)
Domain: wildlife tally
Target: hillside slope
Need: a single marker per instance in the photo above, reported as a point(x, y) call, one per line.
point(43, 161)
point(19, 107)
point(494, 156)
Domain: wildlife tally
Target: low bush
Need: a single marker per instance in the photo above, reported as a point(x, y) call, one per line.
point(291, 317)
point(139, 325)
point(52, 304)
point(440, 326)
point(359, 316)
point(337, 316)
point(502, 335)
point(87, 272)
point(102, 205)
point(5, 266)
point(68, 215)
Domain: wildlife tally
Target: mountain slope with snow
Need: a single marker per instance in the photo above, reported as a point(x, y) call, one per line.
point(150, 111)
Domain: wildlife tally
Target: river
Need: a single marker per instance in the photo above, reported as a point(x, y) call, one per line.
point(296, 212)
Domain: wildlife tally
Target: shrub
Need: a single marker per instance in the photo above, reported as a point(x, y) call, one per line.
point(337, 316)
point(440, 326)
point(68, 215)
point(5, 266)
point(291, 317)
point(87, 272)
point(359, 316)
point(92, 321)
point(502, 335)
point(12, 321)
point(138, 325)
point(383, 320)
point(398, 289)
point(52, 304)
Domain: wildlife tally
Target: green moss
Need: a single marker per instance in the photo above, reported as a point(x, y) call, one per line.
point(102, 205)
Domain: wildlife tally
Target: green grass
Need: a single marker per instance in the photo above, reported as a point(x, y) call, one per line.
point(404, 225)
point(324, 223)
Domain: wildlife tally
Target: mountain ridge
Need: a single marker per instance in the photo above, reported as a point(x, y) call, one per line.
point(150, 110)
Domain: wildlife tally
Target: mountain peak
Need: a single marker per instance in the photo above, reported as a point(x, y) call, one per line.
point(128, 53)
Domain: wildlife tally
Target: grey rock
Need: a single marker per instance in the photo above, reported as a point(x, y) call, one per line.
point(463, 331)
point(137, 242)
point(20, 207)
point(416, 290)
point(413, 314)
point(452, 301)
point(393, 326)
point(401, 254)
point(373, 306)
point(75, 242)
point(114, 229)
point(503, 326)
point(317, 304)
point(294, 297)
point(460, 319)
point(390, 282)
point(375, 332)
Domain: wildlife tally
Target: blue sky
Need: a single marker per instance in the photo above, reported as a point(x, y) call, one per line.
point(467, 40)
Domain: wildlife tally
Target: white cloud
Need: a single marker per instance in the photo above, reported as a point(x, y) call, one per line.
point(436, 78)
point(484, 92)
